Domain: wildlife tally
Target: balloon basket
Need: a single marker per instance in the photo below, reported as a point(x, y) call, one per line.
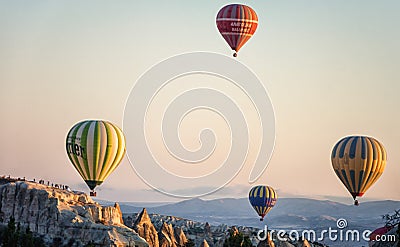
point(93, 193)
point(235, 54)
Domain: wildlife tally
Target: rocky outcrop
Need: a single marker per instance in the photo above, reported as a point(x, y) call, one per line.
point(58, 213)
point(303, 243)
point(267, 242)
point(167, 236)
point(146, 229)
point(204, 244)
point(285, 244)
point(234, 231)
point(158, 221)
point(196, 231)
point(207, 230)
point(180, 237)
point(214, 235)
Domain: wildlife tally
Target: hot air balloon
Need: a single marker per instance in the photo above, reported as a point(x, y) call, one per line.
point(358, 161)
point(236, 23)
point(376, 235)
point(262, 198)
point(95, 148)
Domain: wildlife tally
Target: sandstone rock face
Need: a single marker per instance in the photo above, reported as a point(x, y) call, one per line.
point(57, 213)
point(146, 229)
point(214, 235)
point(204, 244)
point(304, 243)
point(196, 231)
point(167, 236)
point(267, 243)
point(158, 221)
point(180, 237)
point(207, 230)
point(234, 231)
point(285, 244)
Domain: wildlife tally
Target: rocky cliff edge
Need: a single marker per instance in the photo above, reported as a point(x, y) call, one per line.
point(58, 213)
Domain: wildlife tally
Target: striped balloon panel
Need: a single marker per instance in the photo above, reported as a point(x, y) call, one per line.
point(262, 199)
point(358, 161)
point(95, 149)
point(237, 23)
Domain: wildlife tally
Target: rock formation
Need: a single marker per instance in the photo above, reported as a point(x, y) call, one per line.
point(303, 243)
point(57, 213)
point(146, 229)
point(234, 231)
point(180, 237)
point(167, 236)
point(285, 244)
point(128, 221)
point(204, 244)
point(214, 235)
point(207, 230)
point(267, 242)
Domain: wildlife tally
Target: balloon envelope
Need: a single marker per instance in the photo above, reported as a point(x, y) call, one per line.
point(237, 23)
point(95, 148)
point(358, 161)
point(262, 198)
point(379, 232)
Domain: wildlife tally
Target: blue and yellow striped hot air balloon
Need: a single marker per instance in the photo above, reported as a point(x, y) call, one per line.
point(358, 161)
point(262, 198)
point(95, 148)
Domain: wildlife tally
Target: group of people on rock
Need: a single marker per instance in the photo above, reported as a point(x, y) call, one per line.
point(41, 181)
point(57, 186)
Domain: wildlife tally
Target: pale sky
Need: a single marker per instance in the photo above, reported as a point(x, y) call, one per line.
point(331, 69)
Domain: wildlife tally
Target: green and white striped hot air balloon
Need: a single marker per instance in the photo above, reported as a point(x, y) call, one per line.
point(95, 148)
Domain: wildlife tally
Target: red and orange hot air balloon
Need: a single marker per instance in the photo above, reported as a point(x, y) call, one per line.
point(237, 23)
